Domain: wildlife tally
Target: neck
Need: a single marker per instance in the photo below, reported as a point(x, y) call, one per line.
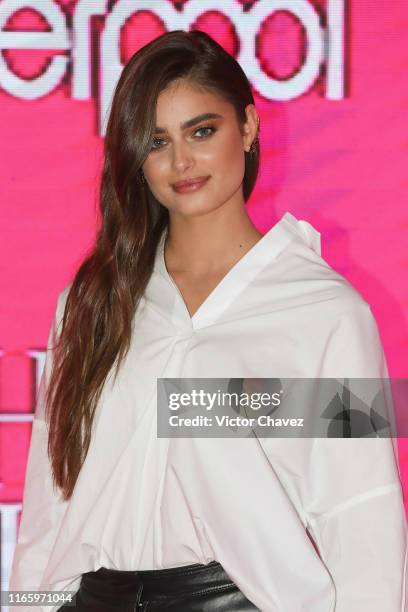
point(209, 243)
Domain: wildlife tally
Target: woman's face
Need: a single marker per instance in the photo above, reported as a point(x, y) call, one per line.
point(210, 147)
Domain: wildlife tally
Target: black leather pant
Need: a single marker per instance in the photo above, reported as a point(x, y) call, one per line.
point(188, 588)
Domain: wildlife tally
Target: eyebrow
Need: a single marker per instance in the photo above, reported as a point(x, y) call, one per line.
point(191, 122)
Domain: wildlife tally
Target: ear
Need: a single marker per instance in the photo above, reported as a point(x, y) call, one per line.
point(250, 127)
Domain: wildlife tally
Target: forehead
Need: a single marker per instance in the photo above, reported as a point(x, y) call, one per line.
point(183, 99)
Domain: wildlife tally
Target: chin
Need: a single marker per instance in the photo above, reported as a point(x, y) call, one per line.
point(194, 209)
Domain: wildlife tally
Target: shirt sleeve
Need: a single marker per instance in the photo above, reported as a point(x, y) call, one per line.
point(43, 507)
point(348, 490)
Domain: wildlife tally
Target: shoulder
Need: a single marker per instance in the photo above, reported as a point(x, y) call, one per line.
point(61, 302)
point(302, 278)
point(337, 318)
point(302, 281)
point(63, 295)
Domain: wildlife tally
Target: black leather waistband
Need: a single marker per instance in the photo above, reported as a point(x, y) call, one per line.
point(126, 585)
point(186, 588)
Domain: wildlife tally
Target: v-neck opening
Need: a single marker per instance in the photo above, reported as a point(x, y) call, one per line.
point(232, 283)
point(193, 317)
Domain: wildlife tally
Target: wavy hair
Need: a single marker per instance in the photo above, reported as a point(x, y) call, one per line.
point(103, 297)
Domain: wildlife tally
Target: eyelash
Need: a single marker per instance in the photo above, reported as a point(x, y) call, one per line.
point(203, 127)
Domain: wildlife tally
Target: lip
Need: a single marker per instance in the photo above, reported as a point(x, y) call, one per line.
point(190, 185)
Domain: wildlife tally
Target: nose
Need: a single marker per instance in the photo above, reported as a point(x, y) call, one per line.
point(182, 156)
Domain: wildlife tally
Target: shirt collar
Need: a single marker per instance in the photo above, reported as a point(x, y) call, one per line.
point(272, 243)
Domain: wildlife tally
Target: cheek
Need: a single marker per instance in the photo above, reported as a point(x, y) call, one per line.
point(155, 169)
point(230, 159)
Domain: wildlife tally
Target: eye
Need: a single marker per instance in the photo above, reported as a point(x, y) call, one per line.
point(155, 140)
point(208, 129)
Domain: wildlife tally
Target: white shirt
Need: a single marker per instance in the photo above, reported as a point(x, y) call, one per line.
point(143, 502)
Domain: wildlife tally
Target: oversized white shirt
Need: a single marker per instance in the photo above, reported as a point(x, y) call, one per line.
point(253, 504)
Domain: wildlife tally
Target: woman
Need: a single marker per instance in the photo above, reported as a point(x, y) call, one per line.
point(181, 284)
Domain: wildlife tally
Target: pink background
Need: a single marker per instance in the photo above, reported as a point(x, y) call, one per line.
point(341, 165)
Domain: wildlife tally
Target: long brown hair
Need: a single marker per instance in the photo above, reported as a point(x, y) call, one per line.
point(102, 299)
